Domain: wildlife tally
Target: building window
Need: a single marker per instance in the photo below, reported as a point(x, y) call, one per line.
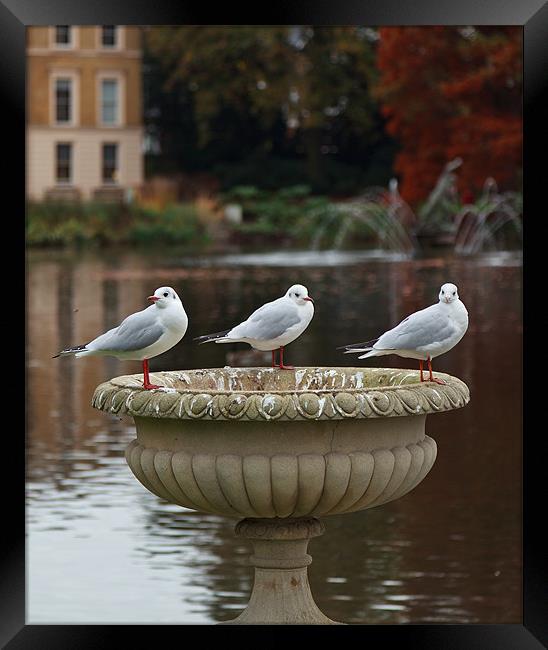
point(63, 36)
point(109, 36)
point(63, 162)
point(63, 100)
point(110, 163)
point(109, 101)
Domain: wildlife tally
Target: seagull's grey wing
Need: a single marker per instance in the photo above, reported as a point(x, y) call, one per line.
point(417, 330)
point(268, 322)
point(136, 332)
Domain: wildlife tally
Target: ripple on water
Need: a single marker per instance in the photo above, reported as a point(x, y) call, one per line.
point(304, 258)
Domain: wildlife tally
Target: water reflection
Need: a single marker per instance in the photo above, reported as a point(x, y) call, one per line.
point(448, 552)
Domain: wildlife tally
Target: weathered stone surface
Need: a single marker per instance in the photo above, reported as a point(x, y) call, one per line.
point(279, 448)
point(281, 591)
point(282, 485)
point(269, 394)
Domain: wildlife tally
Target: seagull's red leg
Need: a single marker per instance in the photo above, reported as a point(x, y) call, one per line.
point(282, 367)
point(273, 358)
point(432, 378)
point(421, 366)
point(146, 379)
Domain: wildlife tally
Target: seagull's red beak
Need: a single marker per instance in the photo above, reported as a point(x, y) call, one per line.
point(308, 298)
point(153, 298)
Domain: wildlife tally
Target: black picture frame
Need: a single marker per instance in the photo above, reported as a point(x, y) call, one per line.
point(532, 15)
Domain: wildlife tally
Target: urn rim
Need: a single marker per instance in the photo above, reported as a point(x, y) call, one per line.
point(219, 394)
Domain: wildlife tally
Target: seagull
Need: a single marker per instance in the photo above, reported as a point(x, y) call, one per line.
point(423, 335)
point(272, 326)
point(142, 335)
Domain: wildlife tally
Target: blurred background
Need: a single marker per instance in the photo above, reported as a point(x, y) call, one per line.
point(371, 165)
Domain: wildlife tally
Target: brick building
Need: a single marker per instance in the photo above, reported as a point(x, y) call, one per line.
point(84, 112)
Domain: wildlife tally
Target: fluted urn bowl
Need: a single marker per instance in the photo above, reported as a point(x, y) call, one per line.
point(281, 446)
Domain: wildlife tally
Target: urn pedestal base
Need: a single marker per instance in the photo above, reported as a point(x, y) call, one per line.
point(281, 591)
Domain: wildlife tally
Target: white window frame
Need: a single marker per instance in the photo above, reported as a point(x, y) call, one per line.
point(74, 97)
point(120, 39)
point(70, 181)
point(121, 105)
point(74, 39)
point(116, 182)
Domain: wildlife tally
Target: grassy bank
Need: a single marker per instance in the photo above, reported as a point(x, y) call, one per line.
point(62, 223)
point(292, 213)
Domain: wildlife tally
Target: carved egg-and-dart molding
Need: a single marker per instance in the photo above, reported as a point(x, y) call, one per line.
point(269, 394)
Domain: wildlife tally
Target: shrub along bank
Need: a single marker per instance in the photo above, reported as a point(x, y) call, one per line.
point(62, 223)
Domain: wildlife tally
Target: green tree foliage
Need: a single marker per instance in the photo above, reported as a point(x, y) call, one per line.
point(247, 93)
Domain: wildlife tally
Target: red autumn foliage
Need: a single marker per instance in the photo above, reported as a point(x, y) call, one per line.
point(448, 92)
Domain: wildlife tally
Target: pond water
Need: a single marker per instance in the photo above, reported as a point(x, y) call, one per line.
point(102, 549)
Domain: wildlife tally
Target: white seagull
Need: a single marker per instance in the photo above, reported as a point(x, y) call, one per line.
point(426, 334)
point(272, 326)
point(142, 335)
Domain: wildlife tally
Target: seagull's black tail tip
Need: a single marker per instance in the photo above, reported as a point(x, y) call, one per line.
point(355, 347)
point(210, 337)
point(203, 339)
point(76, 348)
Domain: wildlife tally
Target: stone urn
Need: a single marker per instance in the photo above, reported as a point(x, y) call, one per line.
point(278, 449)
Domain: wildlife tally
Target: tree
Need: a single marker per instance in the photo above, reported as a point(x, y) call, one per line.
point(273, 90)
point(487, 129)
point(448, 92)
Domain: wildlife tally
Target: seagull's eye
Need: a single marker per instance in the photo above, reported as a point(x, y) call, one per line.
point(454, 292)
point(166, 294)
point(443, 293)
point(297, 295)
